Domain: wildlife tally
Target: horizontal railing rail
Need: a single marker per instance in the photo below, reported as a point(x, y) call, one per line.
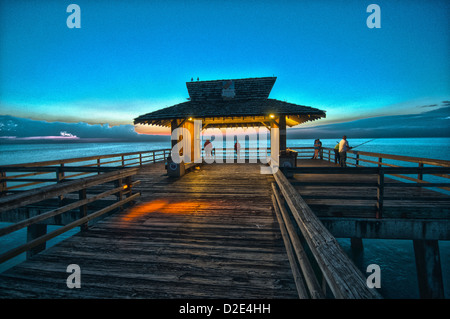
point(380, 184)
point(379, 160)
point(117, 183)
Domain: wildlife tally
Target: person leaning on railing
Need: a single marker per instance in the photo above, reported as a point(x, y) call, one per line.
point(336, 154)
point(343, 148)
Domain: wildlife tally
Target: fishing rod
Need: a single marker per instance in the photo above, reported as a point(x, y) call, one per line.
point(363, 143)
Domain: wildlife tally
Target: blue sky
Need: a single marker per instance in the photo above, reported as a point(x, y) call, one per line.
point(133, 57)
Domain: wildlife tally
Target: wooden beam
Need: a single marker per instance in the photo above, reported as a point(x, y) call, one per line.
point(310, 278)
point(429, 272)
point(298, 277)
point(343, 277)
point(46, 192)
point(44, 238)
point(388, 228)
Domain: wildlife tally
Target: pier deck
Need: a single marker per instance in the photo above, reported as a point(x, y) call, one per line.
point(215, 233)
point(210, 234)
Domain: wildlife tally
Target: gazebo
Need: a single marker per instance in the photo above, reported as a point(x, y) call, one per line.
point(232, 103)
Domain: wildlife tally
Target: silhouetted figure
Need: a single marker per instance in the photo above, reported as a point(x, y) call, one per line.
point(343, 148)
point(237, 149)
point(208, 148)
point(336, 154)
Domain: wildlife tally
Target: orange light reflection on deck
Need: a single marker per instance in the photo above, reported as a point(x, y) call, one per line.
point(162, 206)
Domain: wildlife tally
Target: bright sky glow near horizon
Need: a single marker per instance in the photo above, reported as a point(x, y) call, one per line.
point(133, 57)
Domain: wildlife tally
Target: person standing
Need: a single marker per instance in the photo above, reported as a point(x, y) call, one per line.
point(237, 149)
point(319, 143)
point(316, 149)
point(208, 148)
point(336, 154)
point(343, 148)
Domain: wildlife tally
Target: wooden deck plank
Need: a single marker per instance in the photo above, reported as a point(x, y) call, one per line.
point(210, 234)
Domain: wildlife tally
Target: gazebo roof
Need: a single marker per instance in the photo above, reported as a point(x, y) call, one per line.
point(231, 103)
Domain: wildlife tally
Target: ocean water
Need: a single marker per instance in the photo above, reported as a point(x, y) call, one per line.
point(395, 257)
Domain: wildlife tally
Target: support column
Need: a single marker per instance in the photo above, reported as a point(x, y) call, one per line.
point(357, 251)
point(428, 266)
point(175, 169)
point(282, 126)
point(274, 143)
point(34, 231)
point(173, 126)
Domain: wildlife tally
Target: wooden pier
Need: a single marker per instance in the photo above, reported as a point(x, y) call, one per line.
point(211, 234)
point(220, 231)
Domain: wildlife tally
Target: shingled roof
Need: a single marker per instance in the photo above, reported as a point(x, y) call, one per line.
point(251, 88)
point(225, 103)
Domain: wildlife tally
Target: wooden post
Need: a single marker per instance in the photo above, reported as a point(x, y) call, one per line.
point(83, 209)
point(173, 126)
point(420, 175)
point(429, 272)
point(357, 250)
point(282, 127)
point(380, 160)
point(357, 159)
point(60, 173)
point(98, 165)
point(34, 231)
point(380, 193)
point(118, 183)
point(59, 178)
point(3, 185)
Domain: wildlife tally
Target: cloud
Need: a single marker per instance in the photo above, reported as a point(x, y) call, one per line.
point(433, 123)
point(15, 129)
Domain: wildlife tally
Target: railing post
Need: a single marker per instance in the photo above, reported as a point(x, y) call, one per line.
point(123, 161)
point(119, 195)
point(60, 173)
point(140, 159)
point(420, 175)
point(154, 157)
point(380, 160)
point(60, 178)
point(357, 159)
point(98, 165)
point(3, 186)
point(83, 209)
point(35, 231)
point(380, 193)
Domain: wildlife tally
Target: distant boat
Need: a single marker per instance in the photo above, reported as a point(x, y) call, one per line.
point(65, 134)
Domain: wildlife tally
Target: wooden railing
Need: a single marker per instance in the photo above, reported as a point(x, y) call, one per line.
point(368, 159)
point(380, 184)
point(20, 177)
point(83, 199)
point(336, 270)
point(245, 154)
